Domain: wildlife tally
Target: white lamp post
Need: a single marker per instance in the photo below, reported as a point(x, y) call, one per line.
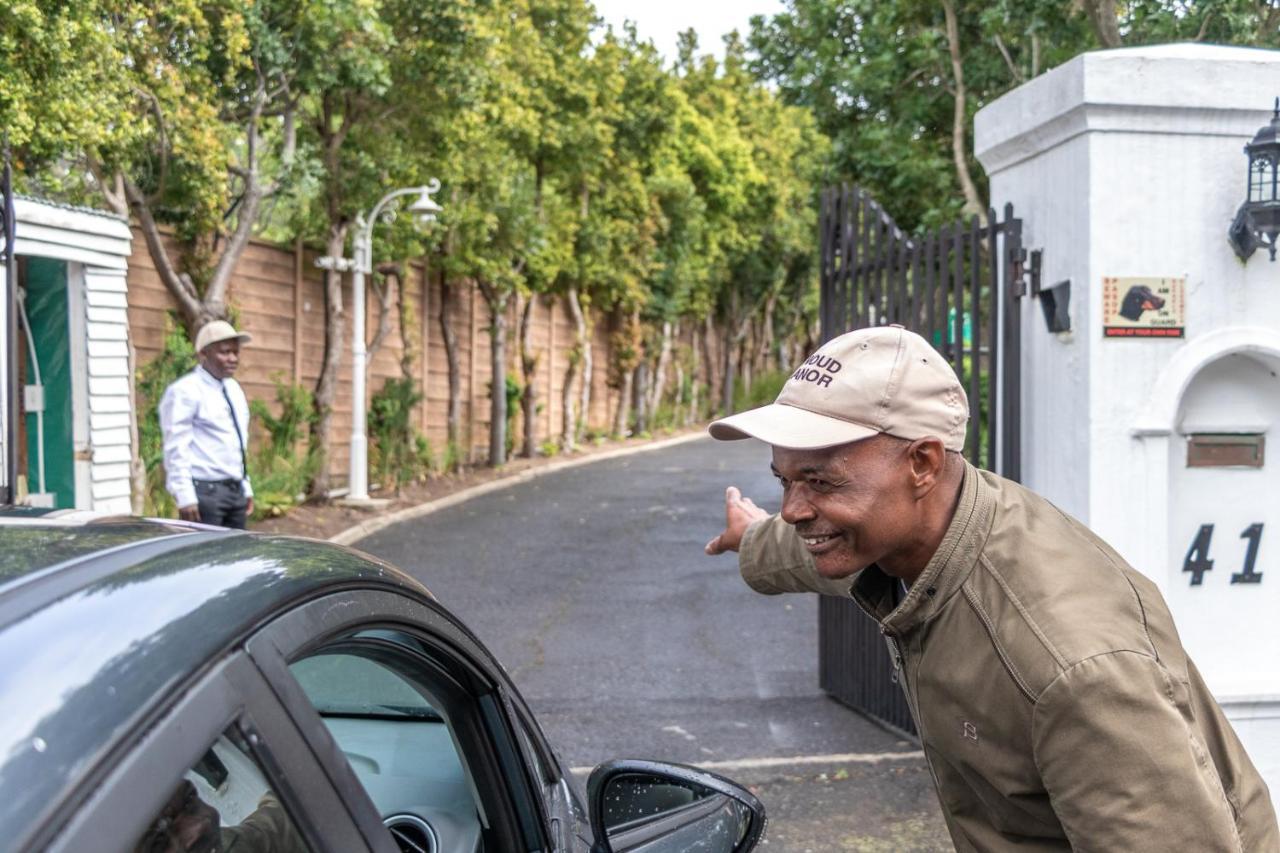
point(426, 210)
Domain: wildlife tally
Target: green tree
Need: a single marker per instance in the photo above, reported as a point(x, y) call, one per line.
point(344, 68)
point(896, 85)
point(378, 76)
point(60, 87)
point(211, 89)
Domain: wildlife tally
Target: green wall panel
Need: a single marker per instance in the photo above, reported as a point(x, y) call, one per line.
point(46, 303)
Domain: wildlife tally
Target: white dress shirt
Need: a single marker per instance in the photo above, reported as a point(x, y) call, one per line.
point(201, 441)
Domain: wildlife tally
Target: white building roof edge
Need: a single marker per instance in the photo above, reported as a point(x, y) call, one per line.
point(74, 220)
point(1161, 88)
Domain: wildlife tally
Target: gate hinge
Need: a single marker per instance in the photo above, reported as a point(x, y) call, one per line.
point(1016, 265)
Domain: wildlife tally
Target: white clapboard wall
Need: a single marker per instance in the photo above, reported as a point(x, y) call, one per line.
point(96, 247)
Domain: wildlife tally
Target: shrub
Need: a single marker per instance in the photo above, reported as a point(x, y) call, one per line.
point(763, 390)
point(281, 470)
point(279, 480)
point(177, 357)
point(453, 458)
point(296, 414)
point(514, 391)
point(667, 416)
point(397, 453)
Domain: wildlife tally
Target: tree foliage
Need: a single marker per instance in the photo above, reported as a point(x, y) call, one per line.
point(577, 166)
point(896, 85)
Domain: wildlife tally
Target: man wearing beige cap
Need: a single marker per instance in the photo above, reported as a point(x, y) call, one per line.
point(1055, 704)
point(205, 420)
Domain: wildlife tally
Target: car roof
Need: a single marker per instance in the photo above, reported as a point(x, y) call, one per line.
point(102, 618)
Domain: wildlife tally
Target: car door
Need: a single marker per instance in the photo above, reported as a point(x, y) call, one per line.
point(222, 768)
point(414, 723)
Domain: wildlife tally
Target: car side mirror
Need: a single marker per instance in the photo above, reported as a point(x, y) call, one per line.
point(655, 807)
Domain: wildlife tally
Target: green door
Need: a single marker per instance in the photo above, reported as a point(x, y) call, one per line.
point(46, 306)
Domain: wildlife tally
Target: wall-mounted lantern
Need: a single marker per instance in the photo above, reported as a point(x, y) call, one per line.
point(1257, 223)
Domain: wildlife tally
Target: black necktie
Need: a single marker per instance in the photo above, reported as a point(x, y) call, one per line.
point(244, 468)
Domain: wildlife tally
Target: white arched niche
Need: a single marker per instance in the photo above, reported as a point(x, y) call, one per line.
point(1227, 618)
point(1159, 433)
point(1223, 383)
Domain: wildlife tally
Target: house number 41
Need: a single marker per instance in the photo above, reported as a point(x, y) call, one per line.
point(1198, 561)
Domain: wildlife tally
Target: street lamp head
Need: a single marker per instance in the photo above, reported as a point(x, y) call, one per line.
point(1257, 222)
point(424, 207)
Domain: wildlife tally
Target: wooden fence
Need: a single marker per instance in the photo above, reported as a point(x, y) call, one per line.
point(277, 293)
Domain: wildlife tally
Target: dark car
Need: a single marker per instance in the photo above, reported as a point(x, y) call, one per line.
point(173, 687)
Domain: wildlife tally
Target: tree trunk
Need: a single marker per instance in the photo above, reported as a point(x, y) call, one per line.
point(450, 339)
point(766, 347)
point(677, 398)
point(408, 329)
point(730, 367)
point(693, 412)
point(708, 360)
point(658, 385)
point(588, 366)
point(387, 291)
point(621, 416)
point(497, 302)
point(528, 371)
point(327, 383)
point(569, 426)
point(1105, 21)
point(198, 305)
point(973, 204)
point(191, 308)
point(641, 401)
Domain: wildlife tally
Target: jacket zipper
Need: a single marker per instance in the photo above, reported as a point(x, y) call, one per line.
point(900, 677)
point(895, 655)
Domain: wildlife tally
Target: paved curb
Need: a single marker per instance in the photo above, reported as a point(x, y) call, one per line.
point(367, 528)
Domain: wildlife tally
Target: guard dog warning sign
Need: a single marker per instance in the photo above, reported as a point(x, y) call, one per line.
point(1143, 307)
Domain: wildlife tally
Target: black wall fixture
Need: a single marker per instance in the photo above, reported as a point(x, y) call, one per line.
point(1055, 300)
point(1257, 222)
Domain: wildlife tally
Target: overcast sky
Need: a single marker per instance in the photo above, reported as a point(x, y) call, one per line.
point(661, 20)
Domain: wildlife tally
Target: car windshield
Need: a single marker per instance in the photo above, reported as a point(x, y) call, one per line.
point(346, 685)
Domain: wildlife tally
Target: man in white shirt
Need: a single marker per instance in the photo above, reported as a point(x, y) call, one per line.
point(205, 420)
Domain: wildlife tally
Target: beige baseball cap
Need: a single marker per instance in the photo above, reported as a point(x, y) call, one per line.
point(883, 379)
point(219, 330)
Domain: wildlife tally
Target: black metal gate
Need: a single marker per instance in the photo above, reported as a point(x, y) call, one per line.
point(959, 287)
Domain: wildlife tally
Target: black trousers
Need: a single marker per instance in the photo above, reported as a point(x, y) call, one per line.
point(222, 502)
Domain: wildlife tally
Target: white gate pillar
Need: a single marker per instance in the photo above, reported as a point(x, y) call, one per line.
point(1129, 164)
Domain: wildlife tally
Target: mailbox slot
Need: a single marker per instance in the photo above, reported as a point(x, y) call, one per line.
point(1225, 450)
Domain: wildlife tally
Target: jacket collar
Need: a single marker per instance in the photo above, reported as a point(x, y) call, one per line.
point(876, 592)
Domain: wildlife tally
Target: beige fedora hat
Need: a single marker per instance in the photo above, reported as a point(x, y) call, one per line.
point(219, 330)
point(884, 379)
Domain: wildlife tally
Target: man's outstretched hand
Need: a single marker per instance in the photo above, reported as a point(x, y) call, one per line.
point(739, 514)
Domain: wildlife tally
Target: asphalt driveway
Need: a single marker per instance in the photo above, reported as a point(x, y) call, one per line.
point(591, 586)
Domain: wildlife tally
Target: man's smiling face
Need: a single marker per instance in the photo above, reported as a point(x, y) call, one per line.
point(853, 505)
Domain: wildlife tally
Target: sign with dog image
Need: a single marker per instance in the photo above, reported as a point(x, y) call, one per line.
point(1143, 307)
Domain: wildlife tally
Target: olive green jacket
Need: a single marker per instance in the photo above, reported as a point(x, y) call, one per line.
point(1055, 703)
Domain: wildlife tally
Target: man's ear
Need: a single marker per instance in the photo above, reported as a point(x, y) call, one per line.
point(928, 459)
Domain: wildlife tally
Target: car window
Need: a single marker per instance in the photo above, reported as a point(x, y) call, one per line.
point(225, 803)
point(349, 685)
point(384, 708)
